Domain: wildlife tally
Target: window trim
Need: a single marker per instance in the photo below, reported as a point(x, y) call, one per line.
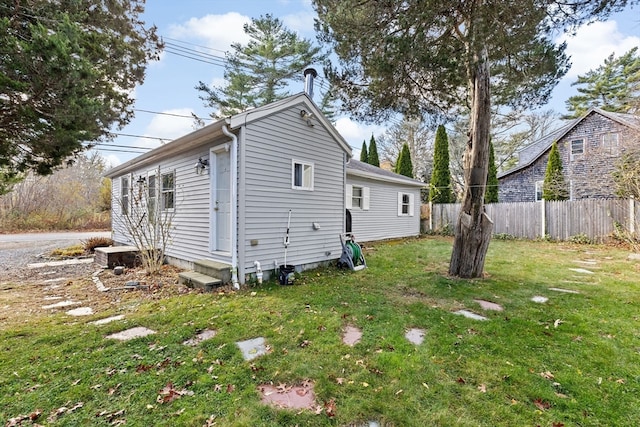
point(164, 191)
point(539, 190)
point(410, 204)
point(311, 175)
point(125, 196)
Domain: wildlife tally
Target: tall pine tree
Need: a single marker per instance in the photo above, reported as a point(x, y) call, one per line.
point(404, 166)
point(440, 187)
point(554, 186)
point(491, 193)
point(364, 155)
point(373, 152)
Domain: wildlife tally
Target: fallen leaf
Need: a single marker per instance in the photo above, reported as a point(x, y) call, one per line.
point(425, 385)
point(399, 392)
point(340, 381)
point(557, 425)
point(547, 375)
point(76, 382)
point(35, 415)
point(620, 381)
point(230, 388)
point(482, 388)
point(541, 404)
point(330, 408)
point(461, 380)
point(557, 323)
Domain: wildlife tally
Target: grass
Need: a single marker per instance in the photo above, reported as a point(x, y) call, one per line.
point(573, 361)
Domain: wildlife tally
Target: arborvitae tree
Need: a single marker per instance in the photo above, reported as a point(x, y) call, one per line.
point(373, 153)
point(404, 166)
point(364, 155)
point(491, 193)
point(440, 187)
point(554, 186)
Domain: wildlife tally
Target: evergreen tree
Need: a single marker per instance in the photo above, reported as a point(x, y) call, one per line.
point(554, 186)
point(491, 193)
point(67, 74)
point(373, 153)
point(404, 165)
point(259, 72)
point(364, 155)
point(440, 187)
point(613, 86)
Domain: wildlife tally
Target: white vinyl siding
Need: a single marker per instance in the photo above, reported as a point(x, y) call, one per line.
point(357, 197)
point(381, 221)
point(272, 146)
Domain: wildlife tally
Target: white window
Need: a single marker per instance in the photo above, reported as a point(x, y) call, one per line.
point(357, 197)
point(577, 147)
point(152, 196)
point(610, 143)
point(539, 185)
point(301, 175)
point(125, 191)
point(405, 204)
point(168, 191)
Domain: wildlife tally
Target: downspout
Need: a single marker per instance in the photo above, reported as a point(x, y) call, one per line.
point(234, 198)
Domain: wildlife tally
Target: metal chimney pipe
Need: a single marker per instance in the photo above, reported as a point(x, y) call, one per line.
point(309, 75)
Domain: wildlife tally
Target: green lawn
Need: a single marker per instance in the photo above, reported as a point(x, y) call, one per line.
point(572, 361)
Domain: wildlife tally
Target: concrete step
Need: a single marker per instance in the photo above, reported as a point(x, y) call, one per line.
point(214, 269)
point(197, 280)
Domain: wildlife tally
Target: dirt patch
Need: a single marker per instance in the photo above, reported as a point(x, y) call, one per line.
point(24, 291)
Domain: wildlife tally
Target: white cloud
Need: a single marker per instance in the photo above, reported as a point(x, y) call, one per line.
point(301, 22)
point(592, 44)
point(217, 31)
point(354, 133)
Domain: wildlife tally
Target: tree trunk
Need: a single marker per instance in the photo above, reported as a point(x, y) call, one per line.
point(473, 230)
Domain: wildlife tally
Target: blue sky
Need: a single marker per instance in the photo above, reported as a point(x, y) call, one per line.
point(209, 27)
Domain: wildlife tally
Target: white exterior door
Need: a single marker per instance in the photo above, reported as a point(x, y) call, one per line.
point(221, 201)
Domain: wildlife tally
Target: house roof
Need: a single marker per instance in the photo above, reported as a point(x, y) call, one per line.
point(365, 170)
point(214, 130)
point(532, 152)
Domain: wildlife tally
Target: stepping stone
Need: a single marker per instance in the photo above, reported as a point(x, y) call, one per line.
point(539, 299)
point(207, 334)
point(61, 263)
point(129, 334)
point(60, 304)
point(252, 348)
point(582, 270)
point(488, 305)
point(566, 291)
point(470, 315)
point(415, 336)
point(80, 311)
point(286, 397)
point(108, 320)
point(351, 335)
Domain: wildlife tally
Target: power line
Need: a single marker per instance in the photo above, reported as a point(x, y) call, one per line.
point(172, 114)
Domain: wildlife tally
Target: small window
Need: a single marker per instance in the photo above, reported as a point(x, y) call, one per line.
point(168, 191)
point(405, 204)
point(610, 143)
point(357, 197)
point(125, 190)
point(577, 147)
point(302, 176)
point(539, 185)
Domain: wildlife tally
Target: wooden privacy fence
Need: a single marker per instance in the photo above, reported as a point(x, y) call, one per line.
point(593, 218)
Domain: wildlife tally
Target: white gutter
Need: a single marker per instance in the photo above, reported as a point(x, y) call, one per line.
point(234, 199)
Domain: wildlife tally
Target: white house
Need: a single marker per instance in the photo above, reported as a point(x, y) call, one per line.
point(256, 167)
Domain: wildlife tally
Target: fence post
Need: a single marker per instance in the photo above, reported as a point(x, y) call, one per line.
point(543, 220)
point(430, 215)
point(632, 215)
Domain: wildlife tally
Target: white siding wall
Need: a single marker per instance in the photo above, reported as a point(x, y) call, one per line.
point(381, 220)
point(190, 236)
point(270, 146)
